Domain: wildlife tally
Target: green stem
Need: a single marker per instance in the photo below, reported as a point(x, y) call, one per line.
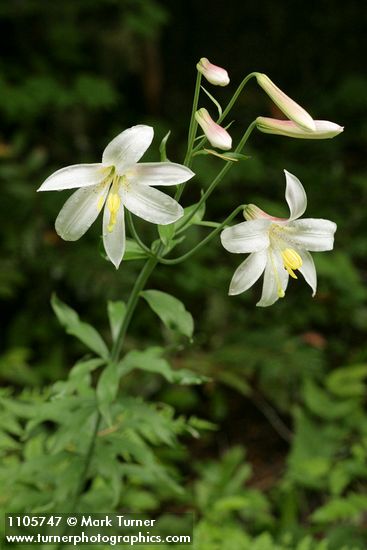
point(221, 174)
point(229, 106)
point(83, 475)
point(135, 234)
point(131, 305)
point(236, 95)
point(192, 133)
point(130, 308)
point(204, 242)
point(88, 459)
point(193, 123)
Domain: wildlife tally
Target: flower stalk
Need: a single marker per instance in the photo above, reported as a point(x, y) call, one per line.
point(228, 165)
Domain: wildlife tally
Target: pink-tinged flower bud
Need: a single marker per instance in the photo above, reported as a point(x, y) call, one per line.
point(253, 212)
point(216, 135)
point(214, 74)
point(289, 107)
point(323, 128)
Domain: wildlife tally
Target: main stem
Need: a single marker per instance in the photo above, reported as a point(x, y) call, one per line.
point(192, 133)
point(140, 282)
point(115, 353)
point(131, 305)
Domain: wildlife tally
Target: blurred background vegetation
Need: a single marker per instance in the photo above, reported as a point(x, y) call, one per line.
point(286, 464)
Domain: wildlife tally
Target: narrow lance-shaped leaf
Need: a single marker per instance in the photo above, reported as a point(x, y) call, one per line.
point(171, 311)
point(107, 389)
point(163, 146)
point(216, 103)
point(348, 381)
point(231, 157)
point(152, 360)
point(116, 313)
point(79, 380)
point(133, 251)
point(196, 218)
point(87, 334)
point(166, 233)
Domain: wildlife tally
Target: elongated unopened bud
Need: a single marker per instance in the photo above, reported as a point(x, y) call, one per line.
point(216, 135)
point(214, 74)
point(289, 107)
point(323, 128)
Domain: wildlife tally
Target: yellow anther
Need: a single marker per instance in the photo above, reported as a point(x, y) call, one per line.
point(113, 204)
point(291, 260)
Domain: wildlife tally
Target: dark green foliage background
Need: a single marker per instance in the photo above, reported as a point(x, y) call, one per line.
point(73, 74)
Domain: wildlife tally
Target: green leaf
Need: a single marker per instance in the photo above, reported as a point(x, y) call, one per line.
point(313, 450)
point(151, 360)
point(107, 388)
point(162, 147)
point(79, 380)
point(186, 377)
point(237, 156)
point(81, 368)
point(171, 311)
point(352, 508)
point(322, 404)
point(228, 156)
point(216, 103)
point(133, 251)
point(345, 471)
point(166, 232)
point(87, 334)
point(234, 380)
point(348, 381)
point(116, 313)
point(196, 218)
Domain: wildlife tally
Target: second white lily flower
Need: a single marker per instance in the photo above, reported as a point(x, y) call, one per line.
point(116, 183)
point(278, 246)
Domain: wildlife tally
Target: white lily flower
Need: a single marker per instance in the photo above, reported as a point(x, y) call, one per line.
point(323, 128)
point(116, 183)
point(278, 246)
